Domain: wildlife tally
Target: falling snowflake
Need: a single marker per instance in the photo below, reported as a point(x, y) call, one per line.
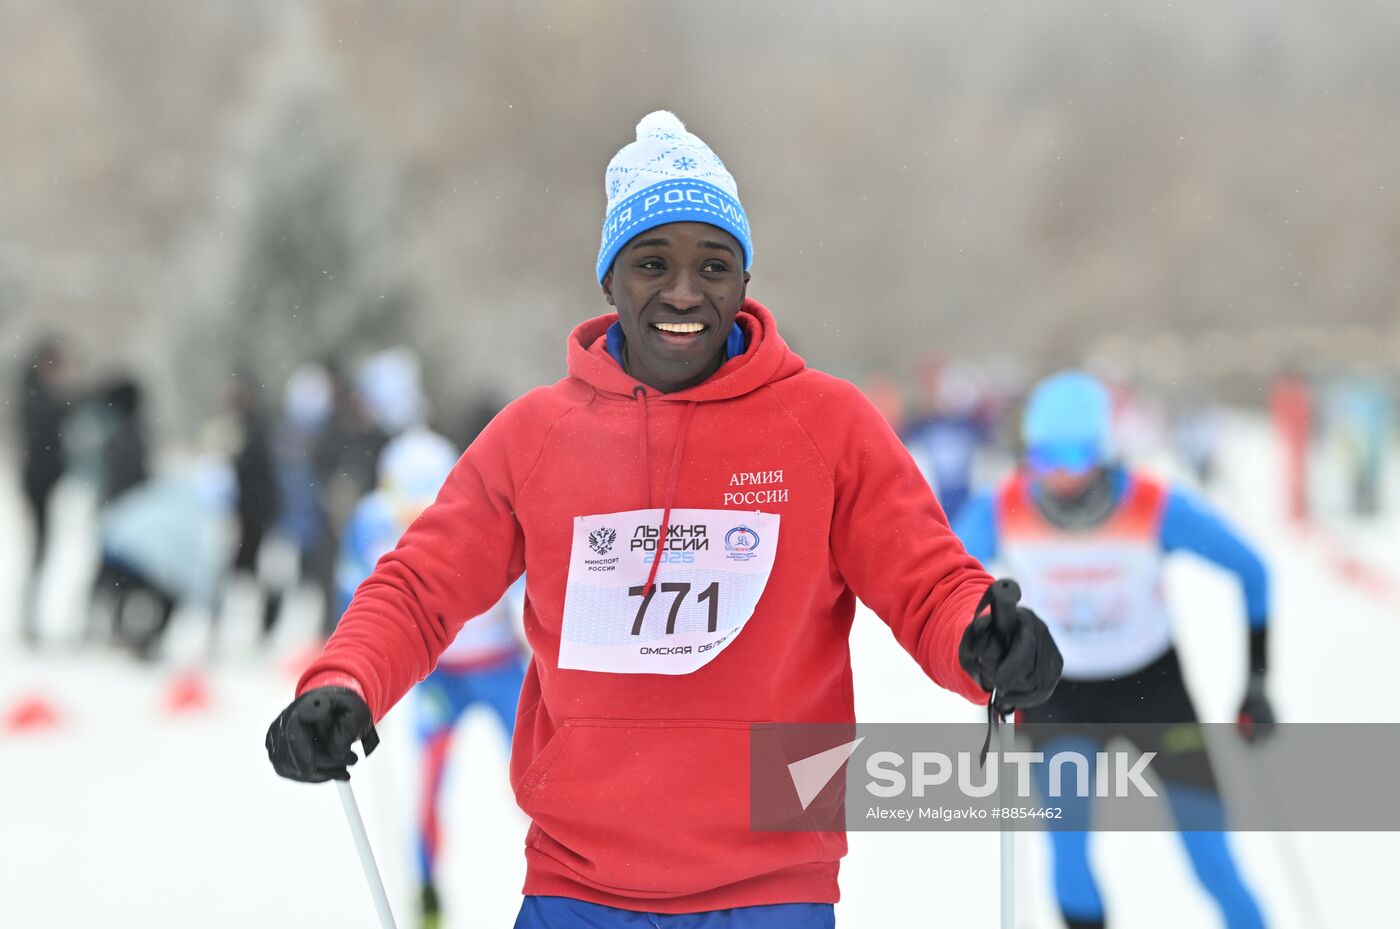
point(614, 186)
point(683, 163)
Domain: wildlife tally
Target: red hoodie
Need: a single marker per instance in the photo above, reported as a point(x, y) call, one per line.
point(637, 783)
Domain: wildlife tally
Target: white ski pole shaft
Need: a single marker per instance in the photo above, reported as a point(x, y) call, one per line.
point(357, 831)
point(1003, 596)
point(1287, 846)
point(1006, 729)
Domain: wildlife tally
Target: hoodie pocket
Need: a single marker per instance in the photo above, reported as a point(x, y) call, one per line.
point(653, 807)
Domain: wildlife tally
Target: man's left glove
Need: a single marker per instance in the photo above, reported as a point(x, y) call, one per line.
point(310, 741)
point(1009, 651)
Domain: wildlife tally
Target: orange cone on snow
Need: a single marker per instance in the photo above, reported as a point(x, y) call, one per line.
point(33, 713)
point(188, 693)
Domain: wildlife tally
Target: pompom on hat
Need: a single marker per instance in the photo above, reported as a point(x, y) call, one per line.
point(668, 176)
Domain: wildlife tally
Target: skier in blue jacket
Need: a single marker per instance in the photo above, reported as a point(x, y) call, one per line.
point(485, 664)
point(1087, 538)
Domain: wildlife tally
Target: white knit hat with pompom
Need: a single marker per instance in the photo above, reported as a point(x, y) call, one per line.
point(668, 176)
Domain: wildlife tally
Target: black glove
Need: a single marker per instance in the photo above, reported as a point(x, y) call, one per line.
point(1008, 650)
point(1256, 719)
point(311, 740)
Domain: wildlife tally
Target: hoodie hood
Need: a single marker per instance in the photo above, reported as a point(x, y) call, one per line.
point(768, 359)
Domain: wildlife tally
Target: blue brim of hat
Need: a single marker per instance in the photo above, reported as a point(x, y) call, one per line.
point(678, 201)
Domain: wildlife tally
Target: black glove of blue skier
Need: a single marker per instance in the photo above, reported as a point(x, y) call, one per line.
point(1009, 651)
point(311, 740)
point(1255, 720)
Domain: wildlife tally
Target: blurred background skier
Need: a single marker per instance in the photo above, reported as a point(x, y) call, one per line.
point(945, 440)
point(483, 665)
point(1086, 537)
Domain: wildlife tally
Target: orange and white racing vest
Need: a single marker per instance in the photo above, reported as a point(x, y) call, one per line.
point(1098, 589)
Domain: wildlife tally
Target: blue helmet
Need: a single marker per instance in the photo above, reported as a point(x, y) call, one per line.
point(1068, 423)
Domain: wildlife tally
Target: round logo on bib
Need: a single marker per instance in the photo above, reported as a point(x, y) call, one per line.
point(739, 543)
point(740, 539)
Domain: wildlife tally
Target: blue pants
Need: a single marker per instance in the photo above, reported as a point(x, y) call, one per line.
point(1091, 712)
point(443, 696)
point(439, 702)
point(565, 913)
point(1200, 813)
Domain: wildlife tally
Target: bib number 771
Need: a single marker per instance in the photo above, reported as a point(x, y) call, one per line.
point(616, 622)
point(710, 594)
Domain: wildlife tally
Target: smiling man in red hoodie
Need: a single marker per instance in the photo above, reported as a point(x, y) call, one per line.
point(698, 511)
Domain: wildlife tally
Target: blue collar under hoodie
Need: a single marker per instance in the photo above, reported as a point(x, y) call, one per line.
point(734, 346)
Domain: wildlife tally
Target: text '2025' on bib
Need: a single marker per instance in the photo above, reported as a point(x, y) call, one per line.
point(713, 567)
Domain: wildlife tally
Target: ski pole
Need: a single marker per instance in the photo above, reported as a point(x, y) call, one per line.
point(1006, 730)
point(357, 831)
point(1005, 594)
point(1286, 843)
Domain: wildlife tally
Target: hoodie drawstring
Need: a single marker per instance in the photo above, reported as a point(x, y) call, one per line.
point(640, 393)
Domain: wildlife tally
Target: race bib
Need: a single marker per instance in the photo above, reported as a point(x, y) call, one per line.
point(713, 567)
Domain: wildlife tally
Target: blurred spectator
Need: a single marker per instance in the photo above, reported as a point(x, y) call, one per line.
point(43, 408)
point(1138, 423)
point(1198, 431)
point(390, 385)
point(946, 440)
point(347, 457)
point(306, 413)
point(256, 479)
point(325, 455)
point(479, 413)
point(255, 476)
point(163, 544)
point(1293, 412)
point(111, 449)
point(1360, 413)
point(124, 446)
point(347, 451)
point(883, 393)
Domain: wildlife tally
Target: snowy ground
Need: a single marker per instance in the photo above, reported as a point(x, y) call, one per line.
point(127, 816)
